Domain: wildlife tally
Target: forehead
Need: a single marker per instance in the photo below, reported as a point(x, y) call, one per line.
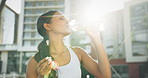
point(57, 14)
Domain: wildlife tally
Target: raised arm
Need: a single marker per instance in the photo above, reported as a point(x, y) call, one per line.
point(103, 62)
point(102, 68)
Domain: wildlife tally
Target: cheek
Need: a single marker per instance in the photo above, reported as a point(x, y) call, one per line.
point(58, 28)
point(59, 24)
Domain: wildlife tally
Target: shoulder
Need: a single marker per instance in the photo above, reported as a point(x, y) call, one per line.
point(31, 67)
point(78, 49)
point(80, 52)
point(32, 60)
point(31, 63)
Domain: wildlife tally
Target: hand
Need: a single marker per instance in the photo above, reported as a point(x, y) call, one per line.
point(44, 67)
point(93, 31)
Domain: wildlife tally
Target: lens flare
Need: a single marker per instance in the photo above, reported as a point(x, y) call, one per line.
point(55, 65)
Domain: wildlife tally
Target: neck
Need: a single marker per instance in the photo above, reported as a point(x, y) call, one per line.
point(56, 45)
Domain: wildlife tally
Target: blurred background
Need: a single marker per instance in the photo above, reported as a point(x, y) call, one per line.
point(123, 25)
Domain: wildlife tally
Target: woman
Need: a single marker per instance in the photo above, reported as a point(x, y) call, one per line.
point(53, 26)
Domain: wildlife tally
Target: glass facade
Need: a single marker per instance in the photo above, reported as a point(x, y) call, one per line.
point(25, 58)
point(17, 60)
point(139, 29)
point(7, 28)
point(113, 35)
point(13, 62)
point(32, 10)
point(122, 70)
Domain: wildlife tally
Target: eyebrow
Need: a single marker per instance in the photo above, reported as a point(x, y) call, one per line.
point(52, 16)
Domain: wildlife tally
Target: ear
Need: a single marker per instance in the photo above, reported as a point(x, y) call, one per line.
point(47, 26)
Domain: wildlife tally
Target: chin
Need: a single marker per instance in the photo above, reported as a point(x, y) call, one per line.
point(67, 33)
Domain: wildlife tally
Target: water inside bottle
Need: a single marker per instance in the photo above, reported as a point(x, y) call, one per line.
point(72, 25)
point(75, 25)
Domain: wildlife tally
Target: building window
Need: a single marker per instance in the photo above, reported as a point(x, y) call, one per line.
point(61, 3)
point(32, 11)
point(136, 30)
point(143, 72)
point(139, 27)
point(51, 3)
point(113, 35)
point(25, 57)
point(13, 62)
point(8, 26)
point(40, 3)
point(122, 70)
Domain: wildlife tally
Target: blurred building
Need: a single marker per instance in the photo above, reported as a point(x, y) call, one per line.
point(18, 34)
point(125, 40)
point(136, 46)
point(8, 38)
point(125, 36)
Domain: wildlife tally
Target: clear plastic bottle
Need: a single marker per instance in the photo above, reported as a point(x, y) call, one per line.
point(87, 76)
point(75, 25)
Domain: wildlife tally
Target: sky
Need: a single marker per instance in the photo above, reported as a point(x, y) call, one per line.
point(109, 5)
point(105, 5)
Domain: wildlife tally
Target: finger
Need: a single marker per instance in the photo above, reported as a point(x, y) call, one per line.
point(40, 70)
point(45, 63)
point(44, 66)
point(48, 68)
point(42, 61)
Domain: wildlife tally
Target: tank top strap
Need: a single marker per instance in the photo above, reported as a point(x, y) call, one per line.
point(72, 69)
point(74, 57)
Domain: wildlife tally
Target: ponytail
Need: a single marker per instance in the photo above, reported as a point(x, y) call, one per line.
point(43, 48)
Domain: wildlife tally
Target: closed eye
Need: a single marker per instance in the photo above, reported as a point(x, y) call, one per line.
point(62, 18)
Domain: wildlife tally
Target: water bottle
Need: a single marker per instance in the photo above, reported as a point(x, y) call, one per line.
point(87, 76)
point(75, 25)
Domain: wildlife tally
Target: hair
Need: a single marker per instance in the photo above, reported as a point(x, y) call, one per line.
point(43, 47)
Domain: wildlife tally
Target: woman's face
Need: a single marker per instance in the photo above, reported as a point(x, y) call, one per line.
point(59, 24)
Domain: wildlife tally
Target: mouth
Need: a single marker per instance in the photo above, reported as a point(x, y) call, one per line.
point(67, 26)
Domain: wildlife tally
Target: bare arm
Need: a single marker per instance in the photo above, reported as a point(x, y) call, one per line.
point(103, 62)
point(102, 68)
point(91, 65)
point(31, 68)
point(38, 70)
